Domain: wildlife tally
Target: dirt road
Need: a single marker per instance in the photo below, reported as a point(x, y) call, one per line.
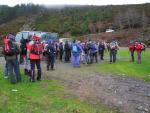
point(127, 94)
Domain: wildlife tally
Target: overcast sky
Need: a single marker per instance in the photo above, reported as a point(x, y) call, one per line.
point(74, 2)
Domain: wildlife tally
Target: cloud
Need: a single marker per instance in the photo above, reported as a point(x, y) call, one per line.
point(77, 2)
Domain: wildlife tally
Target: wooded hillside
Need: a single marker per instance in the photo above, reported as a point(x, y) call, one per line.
point(76, 20)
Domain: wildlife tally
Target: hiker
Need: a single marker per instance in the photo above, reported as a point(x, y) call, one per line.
point(56, 49)
point(23, 55)
point(101, 49)
point(34, 53)
point(139, 47)
point(76, 50)
point(61, 51)
point(27, 66)
point(83, 60)
point(113, 50)
point(50, 54)
point(86, 52)
point(44, 57)
point(11, 51)
point(89, 52)
point(132, 50)
point(94, 49)
point(67, 50)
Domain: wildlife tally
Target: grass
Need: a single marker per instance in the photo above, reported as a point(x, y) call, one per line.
point(46, 96)
point(51, 96)
point(124, 66)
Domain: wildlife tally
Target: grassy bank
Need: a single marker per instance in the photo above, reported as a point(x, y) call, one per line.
point(124, 66)
point(46, 96)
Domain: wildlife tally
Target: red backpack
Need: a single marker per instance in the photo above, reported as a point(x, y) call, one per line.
point(37, 48)
point(9, 48)
point(138, 46)
point(131, 47)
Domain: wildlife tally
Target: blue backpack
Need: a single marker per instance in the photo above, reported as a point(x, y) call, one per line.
point(94, 47)
point(74, 49)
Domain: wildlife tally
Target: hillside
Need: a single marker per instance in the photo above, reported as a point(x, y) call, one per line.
point(79, 21)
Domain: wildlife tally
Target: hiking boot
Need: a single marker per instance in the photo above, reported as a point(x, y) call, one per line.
point(38, 79)
point(31, 80)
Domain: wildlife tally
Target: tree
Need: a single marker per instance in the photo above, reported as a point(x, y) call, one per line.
point(133, 18)
point(144, 20)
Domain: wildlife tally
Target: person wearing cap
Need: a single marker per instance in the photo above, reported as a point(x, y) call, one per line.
point(35, 56)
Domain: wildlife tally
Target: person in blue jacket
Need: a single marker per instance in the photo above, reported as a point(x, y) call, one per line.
point(76, 50)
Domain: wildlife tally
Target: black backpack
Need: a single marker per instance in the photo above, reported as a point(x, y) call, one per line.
point(23, 46)
point(50, 50)
point(67, 47)
point(61, 47)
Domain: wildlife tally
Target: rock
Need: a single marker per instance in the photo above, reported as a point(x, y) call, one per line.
point(146, 109)
point(120, 102)
point(137, 85)
point(141, 108)
point(148, 95)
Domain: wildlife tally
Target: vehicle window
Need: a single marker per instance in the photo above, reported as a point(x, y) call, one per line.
point(18, 37)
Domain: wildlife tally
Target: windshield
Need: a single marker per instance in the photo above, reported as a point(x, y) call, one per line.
point(20, 35)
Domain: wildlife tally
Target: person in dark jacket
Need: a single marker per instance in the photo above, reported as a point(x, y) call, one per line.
point(61, 51)
point(67, 50)
point(101, 48)
point(50, 53)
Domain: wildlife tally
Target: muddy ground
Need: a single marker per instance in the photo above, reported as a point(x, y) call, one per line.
point(127, 94)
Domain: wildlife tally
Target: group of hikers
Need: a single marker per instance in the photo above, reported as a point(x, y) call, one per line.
point(32, 50)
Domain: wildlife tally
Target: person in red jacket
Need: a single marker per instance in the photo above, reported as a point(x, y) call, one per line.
point(35, 50)
point(132, 49)
point(138, 48)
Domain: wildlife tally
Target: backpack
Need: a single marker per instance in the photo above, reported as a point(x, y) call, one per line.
point(131, 47)
point(101, 47)
point(74, 49)
point(113, 45)
point(50, 50)
point(9, 48)
point(23, 46)
point(37, 48)
point(94, 47)
point(67, 47)
point(138, 46)
point(61, 47)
